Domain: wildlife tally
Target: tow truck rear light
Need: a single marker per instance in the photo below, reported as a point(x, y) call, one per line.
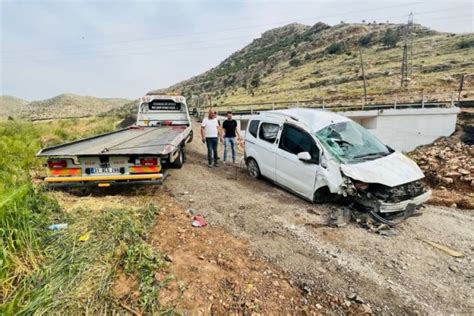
point(57, 164)
point(148, 161)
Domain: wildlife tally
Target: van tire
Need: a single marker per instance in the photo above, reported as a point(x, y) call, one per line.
point(178, 163)
point(253, 168)
point(323, 195)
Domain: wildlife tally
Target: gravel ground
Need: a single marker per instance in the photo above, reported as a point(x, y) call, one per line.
point(398, 274)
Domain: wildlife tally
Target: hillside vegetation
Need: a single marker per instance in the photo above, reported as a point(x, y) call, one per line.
point(297, 62)
point(61, 106)
point(10, 105)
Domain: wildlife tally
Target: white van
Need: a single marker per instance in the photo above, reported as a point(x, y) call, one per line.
point(318, 154)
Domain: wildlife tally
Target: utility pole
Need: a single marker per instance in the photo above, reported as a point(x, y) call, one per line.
point(461, 86)
point(363, 74)
point(407, 51)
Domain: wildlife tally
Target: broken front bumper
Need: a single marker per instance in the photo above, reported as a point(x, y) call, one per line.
point(402, 206)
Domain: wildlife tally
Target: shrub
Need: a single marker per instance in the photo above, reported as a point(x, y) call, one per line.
point(335, 48)
point(390, 38)
point(255, 81)
point(365, 40)
point(295, 62)
point(465, 43)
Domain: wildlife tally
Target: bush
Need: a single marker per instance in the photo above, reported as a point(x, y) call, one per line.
point(390, 38)
point(295, 62)
point(255, 81)
point(465, 43)
point(365, 40)
point(335, 48)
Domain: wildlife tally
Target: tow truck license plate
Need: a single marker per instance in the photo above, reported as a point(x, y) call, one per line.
point(105, 170)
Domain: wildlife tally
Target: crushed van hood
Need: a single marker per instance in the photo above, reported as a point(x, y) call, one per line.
point(392, 170)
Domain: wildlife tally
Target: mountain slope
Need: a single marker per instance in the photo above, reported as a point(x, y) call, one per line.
point(321, 61)
point(10, 105)
point(69, 105)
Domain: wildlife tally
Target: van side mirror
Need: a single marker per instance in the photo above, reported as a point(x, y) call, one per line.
point(304, 156)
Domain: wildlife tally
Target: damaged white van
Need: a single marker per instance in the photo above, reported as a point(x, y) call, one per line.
point(319, 154)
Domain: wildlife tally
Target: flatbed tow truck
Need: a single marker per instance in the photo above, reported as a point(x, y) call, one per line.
point(139, 154)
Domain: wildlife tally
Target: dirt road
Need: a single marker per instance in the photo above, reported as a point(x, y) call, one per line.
point(399, 274)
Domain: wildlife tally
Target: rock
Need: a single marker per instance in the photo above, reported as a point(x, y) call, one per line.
point(318, 306)
point(365, 309)
point(464, 171)
point(201, 258)
point(168, 258)
point(276, 284)
point(359, 299)
point(448, 180)
point(242, 207)
point(454, 205)
point(454, 269)
point(191, 200)
point(352, 296)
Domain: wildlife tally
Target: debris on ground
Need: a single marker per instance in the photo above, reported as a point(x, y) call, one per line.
point(85, 236)
point(57, 226)
point(448, 165)
point(447, 162)
point(446, 249)
point(199, 221)
point(340, 216)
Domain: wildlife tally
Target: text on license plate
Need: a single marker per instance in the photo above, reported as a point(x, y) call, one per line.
point(105, 170)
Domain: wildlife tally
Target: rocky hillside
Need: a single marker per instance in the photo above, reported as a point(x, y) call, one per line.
point(61, 106)
point(10, 105)
point(306, 62)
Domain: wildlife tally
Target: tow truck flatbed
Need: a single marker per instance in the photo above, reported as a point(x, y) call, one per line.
point(131, 141)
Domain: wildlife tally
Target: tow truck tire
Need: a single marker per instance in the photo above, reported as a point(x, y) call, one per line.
point(178, 163)
point(253, 168)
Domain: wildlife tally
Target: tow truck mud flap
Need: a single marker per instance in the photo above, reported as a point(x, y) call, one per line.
point(106, 182)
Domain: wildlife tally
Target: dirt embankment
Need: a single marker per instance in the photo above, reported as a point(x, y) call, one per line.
point(448, 165)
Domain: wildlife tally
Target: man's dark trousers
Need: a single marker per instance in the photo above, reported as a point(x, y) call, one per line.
point(211, 143)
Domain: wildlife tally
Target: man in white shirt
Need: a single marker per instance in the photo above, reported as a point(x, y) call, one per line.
point(210, 133)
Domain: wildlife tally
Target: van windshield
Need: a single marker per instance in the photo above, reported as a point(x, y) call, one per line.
point(351, 143)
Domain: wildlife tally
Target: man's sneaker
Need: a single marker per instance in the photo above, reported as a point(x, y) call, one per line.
point(216, 165)
point(210, 166)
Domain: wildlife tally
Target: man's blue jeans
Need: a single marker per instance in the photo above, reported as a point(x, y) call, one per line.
point(211, 143)
point(229, 141)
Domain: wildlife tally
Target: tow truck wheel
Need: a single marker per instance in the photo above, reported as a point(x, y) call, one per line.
point(178, 163)
point(253, 169)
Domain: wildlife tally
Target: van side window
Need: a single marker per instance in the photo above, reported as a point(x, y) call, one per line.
point(269, 132)
point(253, 127)
point(295, 141)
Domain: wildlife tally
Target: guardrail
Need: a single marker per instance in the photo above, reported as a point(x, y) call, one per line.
point(352, 103)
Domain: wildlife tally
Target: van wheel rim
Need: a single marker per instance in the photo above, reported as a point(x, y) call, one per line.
point(253, 169)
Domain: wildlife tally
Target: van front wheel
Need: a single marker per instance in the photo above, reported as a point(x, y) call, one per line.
point(253, 169)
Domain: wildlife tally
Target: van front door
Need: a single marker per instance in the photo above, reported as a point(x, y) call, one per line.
point(291, 172)
point(267, 135)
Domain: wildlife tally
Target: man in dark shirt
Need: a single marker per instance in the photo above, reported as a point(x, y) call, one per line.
point(230, 133)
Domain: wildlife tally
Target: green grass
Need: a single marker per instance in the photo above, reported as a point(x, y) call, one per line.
point(44, 272)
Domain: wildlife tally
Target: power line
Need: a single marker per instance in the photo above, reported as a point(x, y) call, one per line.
point(155, 51)
point(236, 28)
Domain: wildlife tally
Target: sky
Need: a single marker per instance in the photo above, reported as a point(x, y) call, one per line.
point(117, 48)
